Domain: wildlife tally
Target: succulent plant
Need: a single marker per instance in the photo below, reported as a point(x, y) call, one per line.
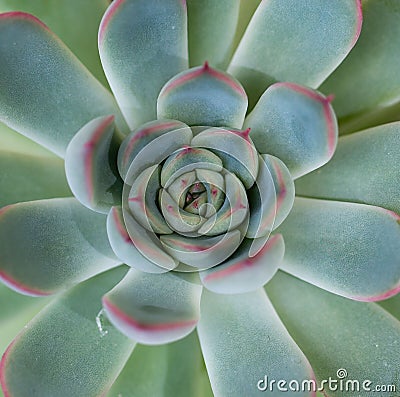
point(165, 221)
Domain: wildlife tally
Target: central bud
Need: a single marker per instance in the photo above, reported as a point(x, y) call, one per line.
point(188, 189)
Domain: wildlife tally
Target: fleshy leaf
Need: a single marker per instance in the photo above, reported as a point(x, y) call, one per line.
point(24, 177)
point(147, 243)
point(284, 187)
point(142, 43)
point(203, 96)
point(211, 29)
point(201, 252)
point(235, 145)
point(295, 124)
point(242, 273)
point(46, 93)
point(303, 42)
point(179, 133)
point(271, 198)
point(154, 152)
point(233, 212)
point(377, 49)
point(233, 324)
point(62, 351)
point(170, 370)
point(123, 246)
point(351, 249)
point(343, 339)
point(392, 305)
point(16, 311)
point(246, 12)
point(142, 201)
point(59, 16)
point(188, 159)
point(364, 169)
point(90, 165)
point(154, 308)
point(49, 245)
point(12, 141)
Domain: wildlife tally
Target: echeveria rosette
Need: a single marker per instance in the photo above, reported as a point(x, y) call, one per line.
point(177, 177)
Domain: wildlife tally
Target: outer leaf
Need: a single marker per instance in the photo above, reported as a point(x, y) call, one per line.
point(246, 11)
point(16, 311)
point(377, 49)
point(171, 370)
point(60, 16)
point(24, 177)
point(295, 124)
point(365, 168)
point(233, 324)
point(14, 142)
point(211, 29)
point(91, 165)
point(62, 352)
point(46, 93)
point(351, 249)
point(154, 308)
point(243, 272)
point(392, 305)
point(203, 96)
point(50, 245)
point(142, 43)
point(336, 333)
point(302, 42)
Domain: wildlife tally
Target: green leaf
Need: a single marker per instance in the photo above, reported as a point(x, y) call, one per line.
point(142, 43)
point(201, 252)
point(154, 308)
point(16, 311)
point(374, 59)
point(75, 22)
point(336, 333)
point(211, 30)
point(171, 370)
point(301, 42)
point(123, 246)
point(246, 11)
point(295, 124)
point(244, 272)
point(62, 351)
point(142, 201)
point(392, 305)
point(146, 242)
point(365, 169)
point(203, 96)
point(233, 147)
point(271, 198)
point(27, 177)
point(91, 165)
point(243, 341)
point(46, 93)
point(346, 248)
point(151, 143)
point(49, 245)
point(12, 141)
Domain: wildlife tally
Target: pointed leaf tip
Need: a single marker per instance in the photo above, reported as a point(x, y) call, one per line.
point(203, 96)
